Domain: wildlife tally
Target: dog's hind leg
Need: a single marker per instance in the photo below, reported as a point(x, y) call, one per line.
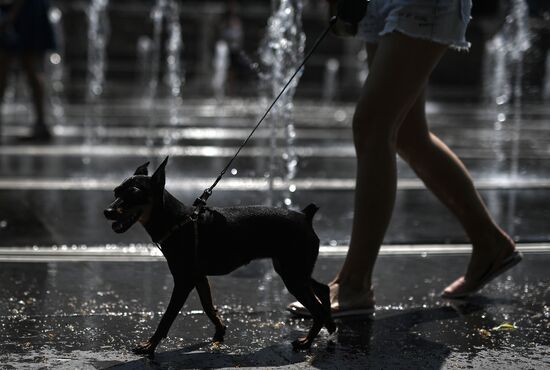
point(304, 294)
point(298, 284)
point(322, 291)
point(205, 295)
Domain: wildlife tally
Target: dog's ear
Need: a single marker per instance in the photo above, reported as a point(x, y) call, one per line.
point(142, 170)
point(158, 179)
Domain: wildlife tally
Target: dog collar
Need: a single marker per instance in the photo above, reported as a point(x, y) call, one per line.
point(174, 229)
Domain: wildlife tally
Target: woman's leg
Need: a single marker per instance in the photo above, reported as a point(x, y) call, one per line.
point(33, 64)
point(398, 73)
point(447, 178)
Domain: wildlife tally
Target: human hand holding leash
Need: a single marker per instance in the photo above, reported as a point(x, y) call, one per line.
point(351, 11)
point(346, 15)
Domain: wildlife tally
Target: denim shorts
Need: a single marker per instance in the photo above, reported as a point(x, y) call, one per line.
point(441, 21)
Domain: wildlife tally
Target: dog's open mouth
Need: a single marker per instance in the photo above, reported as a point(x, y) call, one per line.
point(124, 223)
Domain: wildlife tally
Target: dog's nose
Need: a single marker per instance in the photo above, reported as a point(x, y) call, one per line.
point(109, 213)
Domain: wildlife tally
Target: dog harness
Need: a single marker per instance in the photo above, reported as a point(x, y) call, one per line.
point(194, 218)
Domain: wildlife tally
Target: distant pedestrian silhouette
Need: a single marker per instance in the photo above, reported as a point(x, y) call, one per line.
point(26, 34)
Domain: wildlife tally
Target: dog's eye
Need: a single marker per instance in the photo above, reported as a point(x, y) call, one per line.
point(135, 194)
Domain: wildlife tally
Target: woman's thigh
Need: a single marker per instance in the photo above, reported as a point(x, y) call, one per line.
point(413, 130)
point(397, 76)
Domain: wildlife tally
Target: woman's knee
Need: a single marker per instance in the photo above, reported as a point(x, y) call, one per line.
point(368, 139)
point(373, 126)
point(414, 135)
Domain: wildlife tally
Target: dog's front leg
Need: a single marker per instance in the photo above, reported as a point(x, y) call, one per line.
point(203, 288)
point(179, 296)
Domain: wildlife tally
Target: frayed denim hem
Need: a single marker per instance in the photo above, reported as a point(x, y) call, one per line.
point(462, 46)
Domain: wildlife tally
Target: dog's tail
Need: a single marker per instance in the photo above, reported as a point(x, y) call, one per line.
point(309, 211)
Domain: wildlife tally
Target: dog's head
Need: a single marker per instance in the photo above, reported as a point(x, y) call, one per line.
point(135, 197)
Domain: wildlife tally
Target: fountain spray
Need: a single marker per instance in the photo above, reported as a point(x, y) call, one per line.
point(221, 66)
point(503, 85)
point(281, 51)
point(168, 11)
point(174, 75)
point(98, 38)
point(56, 67)
point(330, 80)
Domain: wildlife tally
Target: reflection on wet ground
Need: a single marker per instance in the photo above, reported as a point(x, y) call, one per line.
point(89, 314)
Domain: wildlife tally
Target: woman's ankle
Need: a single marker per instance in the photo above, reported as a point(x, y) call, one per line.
point(492, 242)
point(353, 284)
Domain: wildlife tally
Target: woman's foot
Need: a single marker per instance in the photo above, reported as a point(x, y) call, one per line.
point(344, 302)
point(497, 255)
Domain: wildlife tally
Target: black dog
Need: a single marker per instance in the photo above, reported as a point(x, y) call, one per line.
point(216, 241)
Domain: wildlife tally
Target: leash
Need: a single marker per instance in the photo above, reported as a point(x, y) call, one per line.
point(201, 201)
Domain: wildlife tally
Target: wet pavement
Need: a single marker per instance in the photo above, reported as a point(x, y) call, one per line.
point(88, 315)
point(75, 295)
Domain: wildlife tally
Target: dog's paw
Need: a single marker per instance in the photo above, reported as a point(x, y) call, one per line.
point(219, 335)
point(301, 344)
point(145, 348)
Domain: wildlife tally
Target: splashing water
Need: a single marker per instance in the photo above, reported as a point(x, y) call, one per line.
point(221, 65)
point(503, 86)
point(98, 38)
point(546, 89)
point(144, 65)
point(168, 11)
point(157, 15)
point(505, 54)
point(362, 67)
point(281, 51)
point(174, 75)
point(330, 81)
point(56, 67)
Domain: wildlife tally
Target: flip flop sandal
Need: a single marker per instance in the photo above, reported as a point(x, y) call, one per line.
point(348, 312)
point(298, 310)
point(505, 265)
